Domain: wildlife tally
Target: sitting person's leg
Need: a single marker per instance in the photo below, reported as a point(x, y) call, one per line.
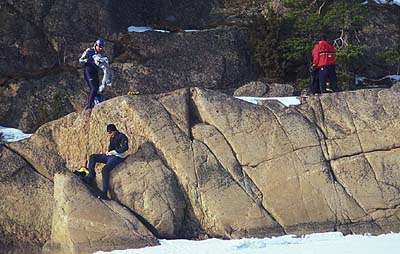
point(112, 162)
point(93, 159)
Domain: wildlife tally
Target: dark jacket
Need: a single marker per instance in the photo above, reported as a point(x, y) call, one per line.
point(118, 145)
point(87, 59)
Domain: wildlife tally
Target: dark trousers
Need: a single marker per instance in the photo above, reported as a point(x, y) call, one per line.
point(314, 82)
point(325, 74)
point(92, 79)
point(110, 161)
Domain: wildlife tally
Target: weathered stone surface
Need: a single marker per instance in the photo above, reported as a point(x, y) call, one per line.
point(279, 90)
point(371, 178)
point(26, 205)
point(227, 210)
point(178, 105)
point(221, 149)
point(22, 46)
point(42, 38)
point(252, 89)
point(264, 89)
point(291, 162)
point(43, 162)
point(253, 132)
point(154, 122)
point(145, 185)
point(84, 224)
point(28, 104)
point(356, 122)
point(42, 34)
point(206, 164)
point(154, 62)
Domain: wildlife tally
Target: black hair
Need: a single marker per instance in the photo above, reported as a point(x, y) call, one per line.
point(322, 37)
point(111, 127)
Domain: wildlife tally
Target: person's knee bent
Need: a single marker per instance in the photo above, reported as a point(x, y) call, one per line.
point(92, 157)
point(107, 168)
point(110, 165)
point(104, 170)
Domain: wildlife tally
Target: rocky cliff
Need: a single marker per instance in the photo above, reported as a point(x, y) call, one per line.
point(41, 41)
point(201, 163)
point(204, 164)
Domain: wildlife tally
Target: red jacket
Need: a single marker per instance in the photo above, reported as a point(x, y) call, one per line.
point(323, 54)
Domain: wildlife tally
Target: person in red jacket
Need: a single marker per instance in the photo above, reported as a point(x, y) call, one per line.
point(324, 61)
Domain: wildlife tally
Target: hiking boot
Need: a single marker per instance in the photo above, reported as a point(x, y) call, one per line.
point(102, 195)
point(87, 180)
point(87, 108)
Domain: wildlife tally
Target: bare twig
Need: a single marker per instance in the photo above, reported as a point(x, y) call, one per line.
point(340, 42)
point(356, 35)
point(320, 8)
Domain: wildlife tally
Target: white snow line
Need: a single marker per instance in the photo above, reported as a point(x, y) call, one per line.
point(287, 101)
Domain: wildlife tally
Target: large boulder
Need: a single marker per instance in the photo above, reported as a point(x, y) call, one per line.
point(205, 164)
point(145, 185)
point(361, 133)
point(215, 140)
point(26, 205)
point(272, 153)
point(23, 45)
point(30, 103)
point(84, 224)
point(252, 89)
point(155, 62)
point(41, 79)
point(58, 31)
point(264, 89)
point(149, 119)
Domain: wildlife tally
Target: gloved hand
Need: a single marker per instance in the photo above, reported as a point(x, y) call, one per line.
point(313, 68)
point(101, 88)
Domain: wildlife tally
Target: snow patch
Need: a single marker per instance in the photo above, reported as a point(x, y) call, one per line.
point(12, 135)
point(327, 243)
point(142, 29)
point(287, 101)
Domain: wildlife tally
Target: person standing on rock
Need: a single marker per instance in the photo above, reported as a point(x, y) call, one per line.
point(324, 58)
point(91, 70)
point(114, 156)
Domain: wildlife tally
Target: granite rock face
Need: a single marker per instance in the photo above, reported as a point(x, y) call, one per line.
point(204, 164)
point(207, 44)
point(155, 62)
point(84, 224)
point(26, 205)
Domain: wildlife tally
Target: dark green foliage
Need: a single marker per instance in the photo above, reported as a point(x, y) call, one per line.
point(301, 84)
point(391, 57)
point(284, 41)
point(265, 38)
point(348, 58)
point(345, 16)
point(345, 80)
